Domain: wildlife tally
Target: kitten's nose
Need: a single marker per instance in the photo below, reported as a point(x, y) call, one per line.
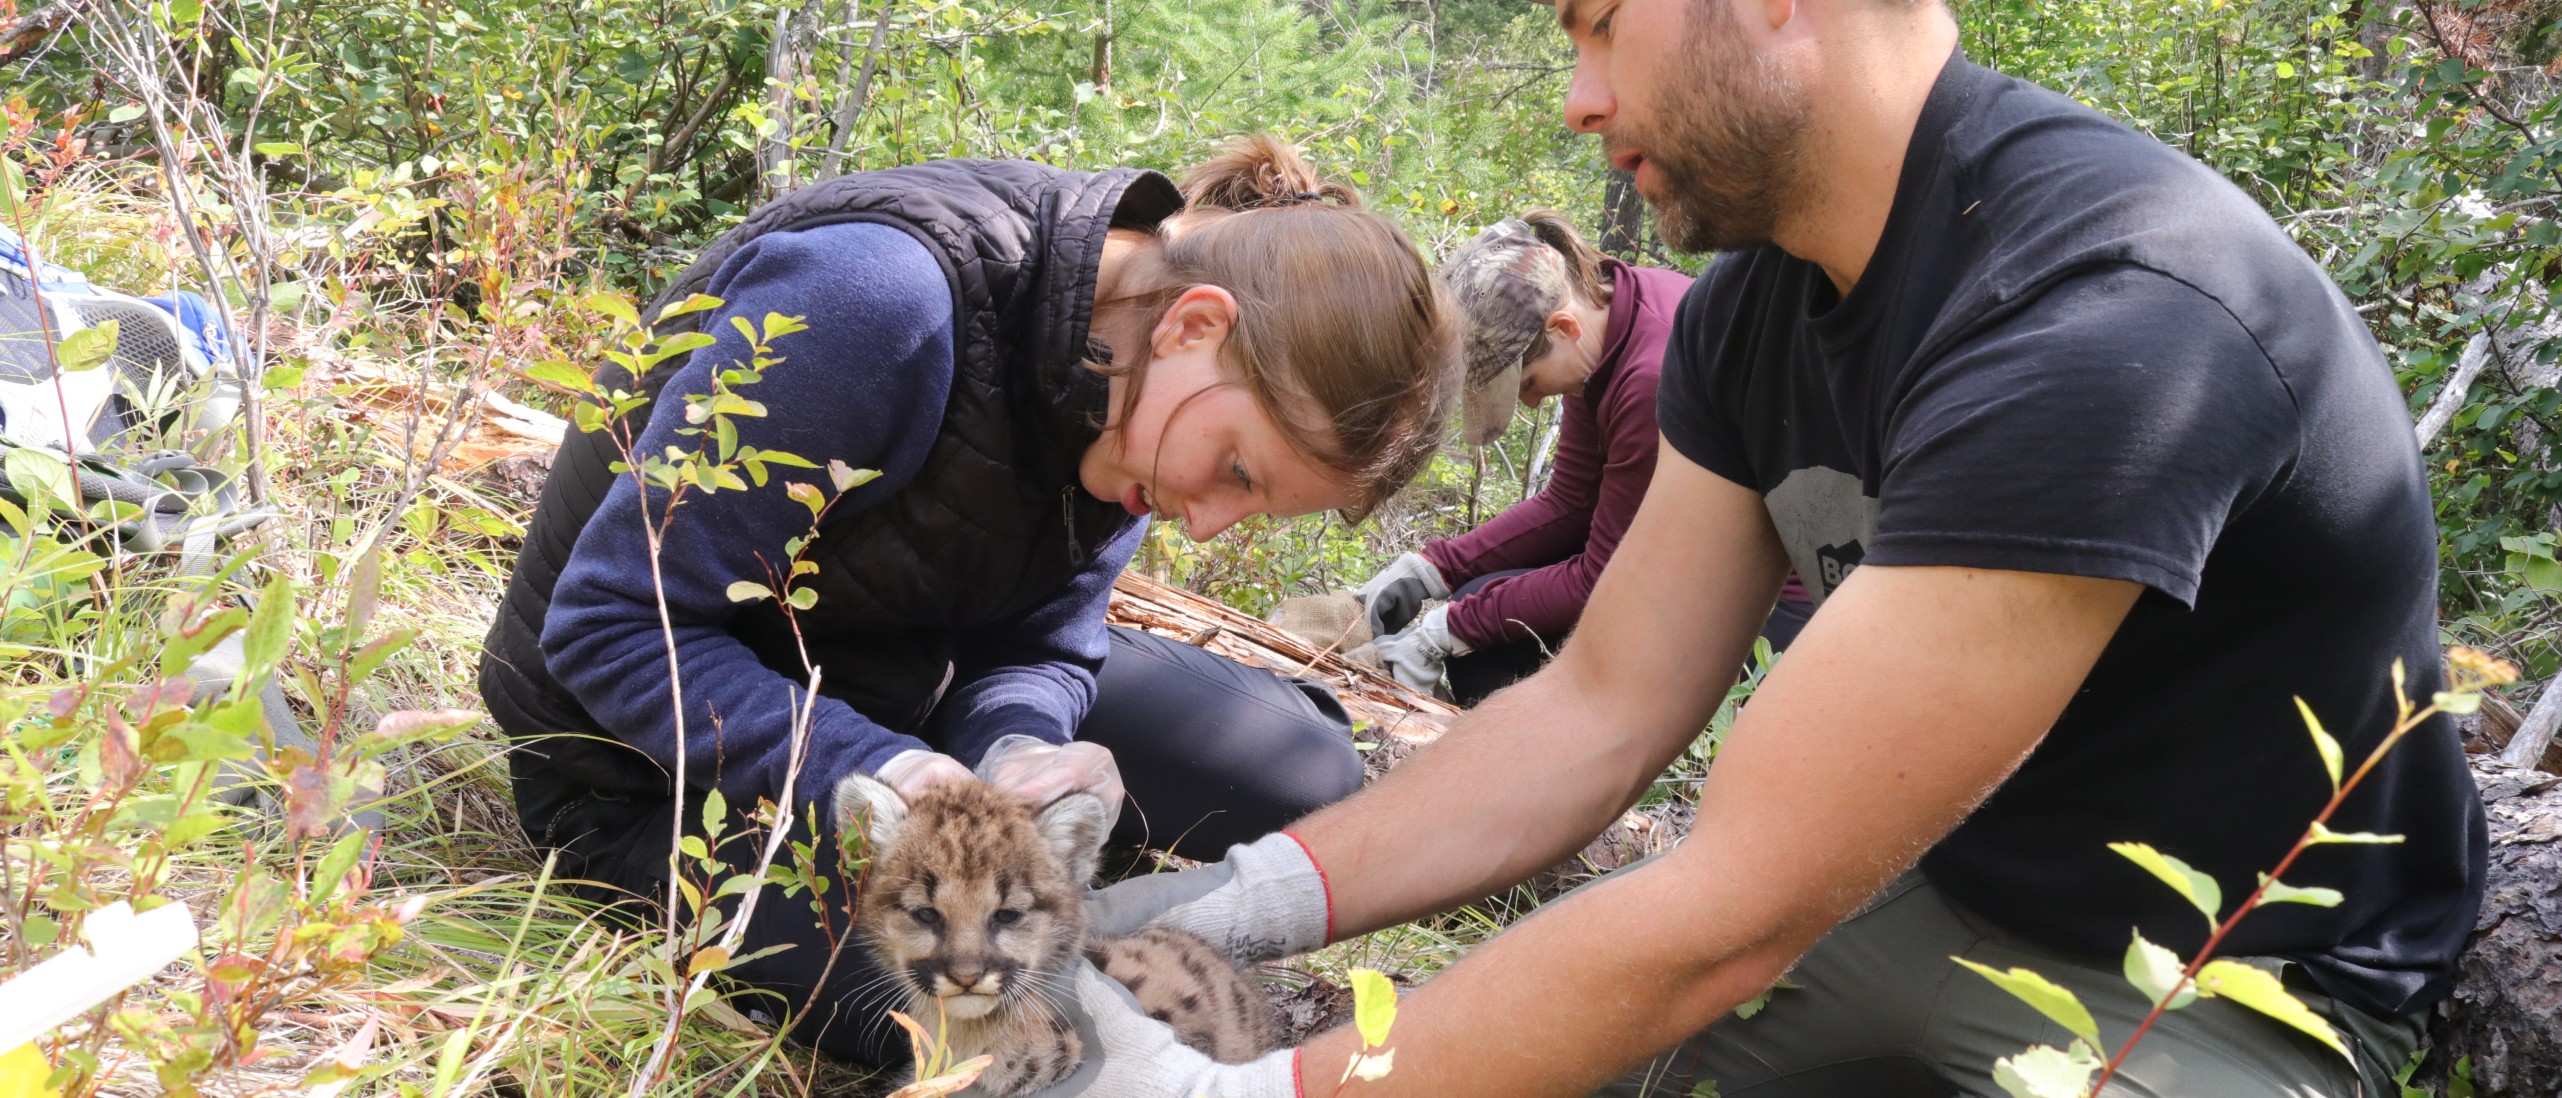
point(965, 976)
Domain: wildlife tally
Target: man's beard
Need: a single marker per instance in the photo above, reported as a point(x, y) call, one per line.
point(1728, 142)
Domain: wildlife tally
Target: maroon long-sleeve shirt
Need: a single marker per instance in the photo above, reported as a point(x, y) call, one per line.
point(1605, 457)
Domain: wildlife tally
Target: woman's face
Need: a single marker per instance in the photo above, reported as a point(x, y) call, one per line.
point(1197, 450)
point(1573, 352)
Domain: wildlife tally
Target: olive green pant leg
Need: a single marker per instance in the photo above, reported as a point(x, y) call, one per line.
point(1879, 1011)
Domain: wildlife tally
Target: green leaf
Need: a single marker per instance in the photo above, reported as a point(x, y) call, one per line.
point(693, 303)
point(2285, 70)
point(43, 476)
point(1372, 1068)
point(614, 305)
point(2201, 890)
point(2544, 573)
point(87, 349)
point(2457, 703)
point(270, 634)
point(715, 812)
point(2322, 742)
point(2050, 998)
point(778, 325)
point(749, 591)
point(126, 113)
point(2048, 1072)
point(2322, 833)
point(13, 190)
point(2280, 892)
point(2155, 970)
point(802, 598)
point(2259, 990)
point(557, 372)
point(186, 12)
point(335, 864)
point(847, 478)
point(1748, 1007)
point(1374, 1006)
point(276, 148)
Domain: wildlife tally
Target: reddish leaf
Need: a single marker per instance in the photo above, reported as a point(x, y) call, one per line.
point(164, 694)
point(310, 803)
point(120, 753)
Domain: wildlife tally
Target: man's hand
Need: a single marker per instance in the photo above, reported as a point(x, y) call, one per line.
point(1266, 901)
point(1391, 598)
point(1417, 655)
point(1130, 1055)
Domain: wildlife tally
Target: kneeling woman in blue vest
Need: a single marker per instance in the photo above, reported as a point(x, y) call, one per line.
point(1036, 361)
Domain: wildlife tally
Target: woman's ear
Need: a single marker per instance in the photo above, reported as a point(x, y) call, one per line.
point(1564, 327)
point(1200, 316)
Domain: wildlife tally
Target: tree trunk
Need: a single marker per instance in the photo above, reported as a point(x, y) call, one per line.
point(2508, 987)
point(1623, 225)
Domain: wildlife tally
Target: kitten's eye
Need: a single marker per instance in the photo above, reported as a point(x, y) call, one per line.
point(926, 916)
point(1006, 917)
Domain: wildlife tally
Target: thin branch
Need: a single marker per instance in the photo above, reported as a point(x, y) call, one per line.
point(850, 109)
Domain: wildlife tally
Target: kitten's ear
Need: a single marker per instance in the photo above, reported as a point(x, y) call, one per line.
point(1074, 827)
point(867, 806)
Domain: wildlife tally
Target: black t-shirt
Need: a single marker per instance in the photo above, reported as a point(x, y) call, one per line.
point(2076, 351)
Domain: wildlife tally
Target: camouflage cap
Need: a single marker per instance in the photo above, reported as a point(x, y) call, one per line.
point(1507, 281)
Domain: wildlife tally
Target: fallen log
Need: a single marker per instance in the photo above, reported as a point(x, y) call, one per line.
point(1394, 716)
point(2506, 1013)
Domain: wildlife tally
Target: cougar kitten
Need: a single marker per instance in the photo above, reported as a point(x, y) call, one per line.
point(975, 904)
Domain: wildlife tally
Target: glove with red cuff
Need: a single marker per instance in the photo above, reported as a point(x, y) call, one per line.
point(1268, 900)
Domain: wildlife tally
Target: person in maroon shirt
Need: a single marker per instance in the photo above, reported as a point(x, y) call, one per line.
point(1547, 316)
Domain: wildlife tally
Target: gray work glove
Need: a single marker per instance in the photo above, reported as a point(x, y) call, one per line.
point(1416, 656)
point(1130, 1055)
point(1393, 597)
point(1267, 901)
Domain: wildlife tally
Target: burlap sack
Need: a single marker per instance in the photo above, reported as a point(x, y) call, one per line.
point(1332, 622)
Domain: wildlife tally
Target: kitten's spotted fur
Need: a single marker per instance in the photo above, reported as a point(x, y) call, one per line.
point(975, 900)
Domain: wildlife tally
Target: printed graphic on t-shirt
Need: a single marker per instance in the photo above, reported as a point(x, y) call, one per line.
point(1825, 521)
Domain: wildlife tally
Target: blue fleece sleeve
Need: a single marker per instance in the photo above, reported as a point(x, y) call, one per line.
point(1034, 675)
point(866, 385)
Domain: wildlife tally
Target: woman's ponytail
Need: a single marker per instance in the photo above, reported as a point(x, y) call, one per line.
point(1257, 172)
point(1583, 262)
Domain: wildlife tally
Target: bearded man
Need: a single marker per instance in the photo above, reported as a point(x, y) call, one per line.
point(2094, 474)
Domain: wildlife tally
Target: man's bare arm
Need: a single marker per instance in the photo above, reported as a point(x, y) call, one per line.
point(1904, 703)
point(1538, 770)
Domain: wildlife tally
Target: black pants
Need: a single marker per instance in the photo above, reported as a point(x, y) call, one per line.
point(1478, 674)
point(1213, 753)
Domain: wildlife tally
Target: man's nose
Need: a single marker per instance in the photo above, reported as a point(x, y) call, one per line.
point(1589, 101)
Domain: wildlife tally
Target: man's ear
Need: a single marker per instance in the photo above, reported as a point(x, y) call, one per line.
point(1202, 313)
point(868, 807)
point(1073, 826)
